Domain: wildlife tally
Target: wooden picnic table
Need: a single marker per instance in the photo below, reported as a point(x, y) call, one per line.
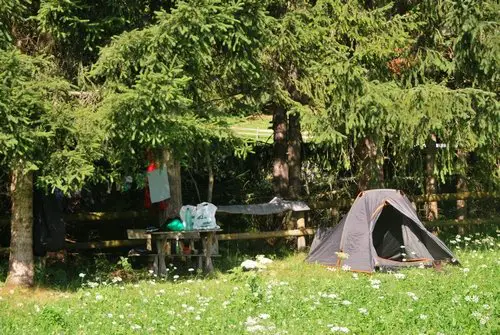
point(208, 239)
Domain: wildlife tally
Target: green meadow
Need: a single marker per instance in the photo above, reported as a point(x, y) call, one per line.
point(289, 296)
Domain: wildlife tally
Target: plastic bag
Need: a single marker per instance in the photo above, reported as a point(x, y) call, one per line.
point(174, 225)
point(205, 216)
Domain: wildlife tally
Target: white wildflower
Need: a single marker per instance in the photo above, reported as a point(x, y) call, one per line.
point(264, 316)
point(346, 267)
point(92, 284)
point(263, 260)
point(337, 329)
point(251, 321)
point(363, 311)
point(346, 302)
point(400, 275)
point(465, 270)
point(98, 297)
point(81, 275)
point(423, 317)
point(412, 295)
point(256, 328)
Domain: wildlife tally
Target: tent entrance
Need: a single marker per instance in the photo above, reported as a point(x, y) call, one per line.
point(397, 238)
point(388, 234)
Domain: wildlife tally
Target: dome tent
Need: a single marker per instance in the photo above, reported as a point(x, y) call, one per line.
point(381, 230)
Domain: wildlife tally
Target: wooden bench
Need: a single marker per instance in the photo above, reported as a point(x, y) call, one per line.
point(140, 234)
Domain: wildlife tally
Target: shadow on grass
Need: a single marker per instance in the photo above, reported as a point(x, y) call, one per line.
point(66, 275)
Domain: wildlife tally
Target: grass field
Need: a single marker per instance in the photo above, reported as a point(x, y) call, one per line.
point(289, 297)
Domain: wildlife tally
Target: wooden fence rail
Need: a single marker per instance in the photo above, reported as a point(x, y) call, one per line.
point(254, 235)
point(262, 235)
point(299, 233)
point(316, 204)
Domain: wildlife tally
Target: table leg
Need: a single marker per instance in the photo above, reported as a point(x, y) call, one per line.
point(160, 247)
point(207, 250)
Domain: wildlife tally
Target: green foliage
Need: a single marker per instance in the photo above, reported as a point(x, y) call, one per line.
point(124, 263)
point(10, 11)
point(394, 73)
point(41, 128)
point(52, 319)
point(91, 23)
point(173, 84)
point(176, 74)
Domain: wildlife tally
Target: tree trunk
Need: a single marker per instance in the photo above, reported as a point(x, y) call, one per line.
point(280, 147)
point(372, 165)
point(294, 156)
point(21, 265)
point(211, 177)
point(462, 187)
point(430, 183)
point(175, 181)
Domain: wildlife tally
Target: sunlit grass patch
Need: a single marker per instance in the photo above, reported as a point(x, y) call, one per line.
point(288, 297)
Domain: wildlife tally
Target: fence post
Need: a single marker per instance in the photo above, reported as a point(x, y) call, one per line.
point(301, 225)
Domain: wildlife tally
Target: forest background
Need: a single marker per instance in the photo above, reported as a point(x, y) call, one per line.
point(358, 94)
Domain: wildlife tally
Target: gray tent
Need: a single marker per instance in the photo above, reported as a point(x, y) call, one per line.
point(381, 230)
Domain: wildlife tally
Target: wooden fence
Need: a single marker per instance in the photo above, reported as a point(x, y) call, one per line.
point(300, 233)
